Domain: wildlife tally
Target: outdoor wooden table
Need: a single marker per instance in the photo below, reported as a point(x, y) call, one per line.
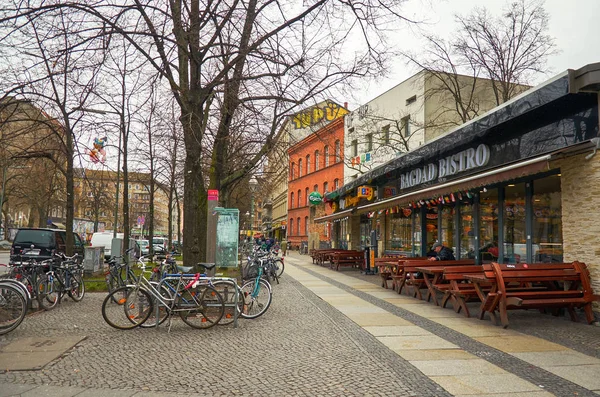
point(480, 281)
point(432, 276)
point(386, 267)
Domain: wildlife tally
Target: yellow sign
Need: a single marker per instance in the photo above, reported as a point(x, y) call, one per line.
point(352, 201)
point(365, 192)
point(327, 111)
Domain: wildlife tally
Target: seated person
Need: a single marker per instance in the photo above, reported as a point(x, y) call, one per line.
point(442, 253)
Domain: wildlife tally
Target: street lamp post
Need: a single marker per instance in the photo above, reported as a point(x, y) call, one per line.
point(253, 186)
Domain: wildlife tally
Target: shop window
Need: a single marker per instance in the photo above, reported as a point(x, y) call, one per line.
point(431, 227)
point(515, 236)
point(399, 231)
point(417, 233)
point(547, 240)
point(448, 228)
point(466, 231)
point(488, 225)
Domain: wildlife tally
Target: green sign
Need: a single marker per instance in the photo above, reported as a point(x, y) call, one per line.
point(228, 234)
point(315, 198)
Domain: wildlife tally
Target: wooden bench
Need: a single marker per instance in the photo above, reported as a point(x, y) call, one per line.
point(399, 276)
point(459, 289)
point(347, 258)
point(415, 280)
point(320, 256)
point(538, 286)
point(386, 266)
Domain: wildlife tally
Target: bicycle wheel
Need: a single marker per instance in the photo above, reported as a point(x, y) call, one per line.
point(279, 266)
point(203, 307)
point(77, 290)
point(13, 307)
point(127, 307)
point(48, 292)
point(163, 312)
point(227, 291)
point(257, 300)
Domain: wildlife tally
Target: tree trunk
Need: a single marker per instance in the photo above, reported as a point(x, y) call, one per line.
point(70, 191)
point(194, 198)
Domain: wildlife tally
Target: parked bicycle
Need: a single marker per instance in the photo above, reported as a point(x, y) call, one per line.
point(119, 272)
point(199, 305)
point(14, 301)
point(66, 278)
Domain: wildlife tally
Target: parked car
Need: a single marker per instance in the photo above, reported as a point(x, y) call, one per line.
point(159, 241)
point(144, 246)
point(41, 244)
point(104, 239)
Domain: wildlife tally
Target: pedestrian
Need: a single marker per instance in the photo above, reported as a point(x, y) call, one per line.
point(442, 253)
point(284, 246)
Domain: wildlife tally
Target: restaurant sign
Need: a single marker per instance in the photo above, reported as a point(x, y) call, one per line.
point(451, 165)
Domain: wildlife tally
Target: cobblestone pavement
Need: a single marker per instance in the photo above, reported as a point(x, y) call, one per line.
point(301, 347)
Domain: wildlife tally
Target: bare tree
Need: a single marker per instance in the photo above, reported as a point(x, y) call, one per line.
point(268, 56)
point(487, 61)
point(57, 70)
point(509, 49)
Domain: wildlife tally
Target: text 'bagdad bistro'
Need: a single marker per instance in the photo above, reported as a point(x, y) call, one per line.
point(448, 166)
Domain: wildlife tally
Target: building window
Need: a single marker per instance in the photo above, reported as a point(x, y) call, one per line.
point(299, 198)
point(299, 168)
point(411, 100)
point(354, 146)
point(291, 226)
point(308, 164)
point(338, 154)
point(385, 134)
point(326, 154)
point(306, 196)
point(405, 122)
point(325, 186)
point(336, 184)
point(292, 200)
point(298, 227)
point(316, 160)
point(292, 170)
point(369, 138)
point(316, 188)
point(306, 225)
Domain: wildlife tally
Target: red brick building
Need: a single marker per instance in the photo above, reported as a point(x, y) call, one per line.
point(316, 164)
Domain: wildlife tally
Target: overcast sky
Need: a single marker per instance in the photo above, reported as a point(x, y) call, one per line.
point(574, 24)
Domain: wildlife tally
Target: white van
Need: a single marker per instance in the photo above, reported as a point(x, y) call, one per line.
point(104, 239)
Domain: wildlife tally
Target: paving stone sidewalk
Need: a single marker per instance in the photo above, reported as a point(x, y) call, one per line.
point(314, 340)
